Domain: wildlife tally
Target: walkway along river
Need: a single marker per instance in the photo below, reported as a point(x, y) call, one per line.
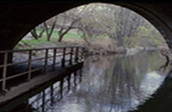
point(114, 83)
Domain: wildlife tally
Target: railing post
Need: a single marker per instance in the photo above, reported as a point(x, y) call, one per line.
point(71, 56)
point(82, 55)
point(29, 65)
point(5, 71)
point(80, 75)
point(79, 54)
point(68, 79)
point(76, 55)
point(54, 58)
point(61, 88)
point(75, 80)
point(46, 61)
point(63, 58)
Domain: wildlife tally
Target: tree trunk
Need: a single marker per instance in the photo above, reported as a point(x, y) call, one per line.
point(60, 39)
point(61, 33)
point(35, 35)
point(51, 30)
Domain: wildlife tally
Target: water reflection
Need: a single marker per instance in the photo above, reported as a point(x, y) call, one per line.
point(106, 84)
point(161, 100)
point(46, 99)
point(43, 99)
point(115, 83)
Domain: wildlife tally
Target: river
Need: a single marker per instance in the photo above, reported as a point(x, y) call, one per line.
point(113, 83)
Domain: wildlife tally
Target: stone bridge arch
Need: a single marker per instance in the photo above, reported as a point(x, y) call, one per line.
point(18, 18)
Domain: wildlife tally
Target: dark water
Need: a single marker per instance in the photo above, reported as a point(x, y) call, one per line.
point(107, 84)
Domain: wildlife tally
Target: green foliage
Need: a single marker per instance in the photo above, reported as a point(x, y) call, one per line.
point(130, 42)
point(144, 37)
point(103, 21)
point(55, 35)
point(43, 39)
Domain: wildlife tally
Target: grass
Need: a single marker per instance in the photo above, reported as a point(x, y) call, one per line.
point(73, 37)
point(67, 36)
point(38, 41)
point(70, 36)
point(53, 39)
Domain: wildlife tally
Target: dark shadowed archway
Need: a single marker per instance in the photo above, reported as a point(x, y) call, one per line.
point(17, 19)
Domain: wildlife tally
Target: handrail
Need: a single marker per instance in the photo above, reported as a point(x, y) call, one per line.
point(23, 50)
point(74, 53)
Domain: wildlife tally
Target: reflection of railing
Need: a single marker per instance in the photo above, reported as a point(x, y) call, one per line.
point(54, 93)
point(52, 57)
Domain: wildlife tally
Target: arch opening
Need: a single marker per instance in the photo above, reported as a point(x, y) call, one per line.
point(121, 38)
point(93, 22)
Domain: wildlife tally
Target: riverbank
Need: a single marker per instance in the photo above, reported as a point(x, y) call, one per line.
point(101, 46)
point(126, 51)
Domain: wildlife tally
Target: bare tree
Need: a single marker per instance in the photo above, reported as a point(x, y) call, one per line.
point(114, 21)
point(44, 28)
point(87, 26)
point(64, 28)
point(118, 22)
point(66, 21)
point(96, 20)
point(49, 31)
point(35, 34)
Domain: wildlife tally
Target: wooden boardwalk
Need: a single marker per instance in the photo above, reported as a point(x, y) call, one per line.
point(49, 60)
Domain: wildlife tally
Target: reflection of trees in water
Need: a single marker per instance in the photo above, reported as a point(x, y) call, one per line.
point(108, 84)
point(114, 82)
point(46, 98)
point(161, 100)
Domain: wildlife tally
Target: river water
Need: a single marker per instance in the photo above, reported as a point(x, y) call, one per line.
point(115, 83)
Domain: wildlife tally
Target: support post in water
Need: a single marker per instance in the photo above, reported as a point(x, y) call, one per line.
point(29, 65)
point(46, 61)
point(83, 53)
point(71, 56)
point(76, 54)
point(63, 58)
point(61, 89)
point(54, 58)
point(5, 71)
point(68, 80)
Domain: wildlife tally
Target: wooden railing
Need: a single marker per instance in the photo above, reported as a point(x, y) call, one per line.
point(53, 58)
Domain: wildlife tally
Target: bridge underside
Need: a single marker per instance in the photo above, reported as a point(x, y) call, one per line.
point(17, 19)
